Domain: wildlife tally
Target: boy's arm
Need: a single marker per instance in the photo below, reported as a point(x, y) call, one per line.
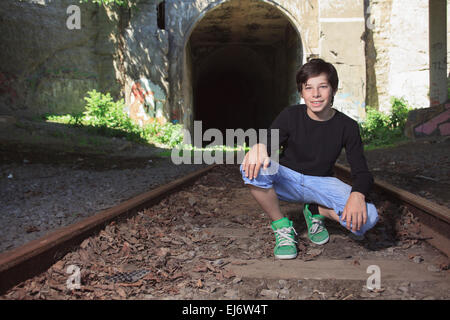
point(362, 179)
point(355, 211)
point(259, 153)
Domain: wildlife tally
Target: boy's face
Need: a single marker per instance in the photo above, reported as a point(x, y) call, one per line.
point(318, 94)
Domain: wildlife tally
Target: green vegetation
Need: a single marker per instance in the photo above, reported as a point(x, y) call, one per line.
point(383, 130)
point(107, 117)
point(123, 3)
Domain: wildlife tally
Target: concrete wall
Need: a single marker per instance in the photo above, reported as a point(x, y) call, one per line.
point(321, 28)
point(438, 52)
point(397, 52)
point(380, 48)
point(46, 67)
point(145, 64)
point(342, 28)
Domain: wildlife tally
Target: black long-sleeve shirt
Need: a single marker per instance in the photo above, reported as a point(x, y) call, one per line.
point(312, 147)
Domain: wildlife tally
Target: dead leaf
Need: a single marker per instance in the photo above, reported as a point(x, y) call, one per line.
point(220, 276)
point(59, 266)
point(84, 244)
point(31, 229)
point(163, 252)
point(211, 268)
point(151, 276)
point(173, 290)
point(200, 268)
point(192, 201)
point(314, 252)
point(199, 283)
point(229, 274)
point(134, 284)
point(177, 275)
point(121, 292)
point(139, 257)
point(133, 240)
point(84, 255)
point(125, 251)
point(105, 286)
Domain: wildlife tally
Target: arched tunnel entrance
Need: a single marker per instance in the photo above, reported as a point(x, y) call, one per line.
point(242, 58)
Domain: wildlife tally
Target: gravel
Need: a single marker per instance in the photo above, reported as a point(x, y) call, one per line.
point(37, 199)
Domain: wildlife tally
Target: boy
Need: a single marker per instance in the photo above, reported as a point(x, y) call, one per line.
point(312, 135)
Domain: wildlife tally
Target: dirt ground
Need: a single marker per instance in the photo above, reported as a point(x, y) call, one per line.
point(211, 241)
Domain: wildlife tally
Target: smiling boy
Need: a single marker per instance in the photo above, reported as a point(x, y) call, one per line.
point(312, 135)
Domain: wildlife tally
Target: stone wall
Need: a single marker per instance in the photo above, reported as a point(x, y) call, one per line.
point(397, 52)
point(342, 28)
point(146, 67)
point(46, 67)
point(380, 48)
point(321, 28)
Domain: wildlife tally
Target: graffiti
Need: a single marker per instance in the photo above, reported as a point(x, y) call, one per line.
point(175, 116)
point(6, 88)
point(444, 129)
point(437, 122)
point(146, 102)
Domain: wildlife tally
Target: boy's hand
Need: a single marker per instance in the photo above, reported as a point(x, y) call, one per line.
point(355, 211)
point(253, 160)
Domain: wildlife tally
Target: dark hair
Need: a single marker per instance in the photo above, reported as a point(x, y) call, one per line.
point(315, 67)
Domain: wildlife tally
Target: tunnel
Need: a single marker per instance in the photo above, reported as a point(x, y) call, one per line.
point(242, 58)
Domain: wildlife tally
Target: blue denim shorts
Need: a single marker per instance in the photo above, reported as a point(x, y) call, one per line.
point(292, 186)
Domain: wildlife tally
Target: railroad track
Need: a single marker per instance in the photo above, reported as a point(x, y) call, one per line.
point(37, 256)
point(434, 219)
point(34, 258)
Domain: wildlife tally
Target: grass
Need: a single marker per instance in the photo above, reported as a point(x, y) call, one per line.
point(381, 130)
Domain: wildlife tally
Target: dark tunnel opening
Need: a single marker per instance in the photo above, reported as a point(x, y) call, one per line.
point(223, 99)
point(232, 90)
point(242, 60)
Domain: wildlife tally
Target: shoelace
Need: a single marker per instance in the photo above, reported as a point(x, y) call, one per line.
point(316, 226)
point(285, 237)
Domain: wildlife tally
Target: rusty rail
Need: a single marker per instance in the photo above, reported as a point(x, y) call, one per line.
point(433, 218)
point(36, 256)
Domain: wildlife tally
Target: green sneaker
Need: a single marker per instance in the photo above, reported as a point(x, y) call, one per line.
point(317, 232)
point(284, 236)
